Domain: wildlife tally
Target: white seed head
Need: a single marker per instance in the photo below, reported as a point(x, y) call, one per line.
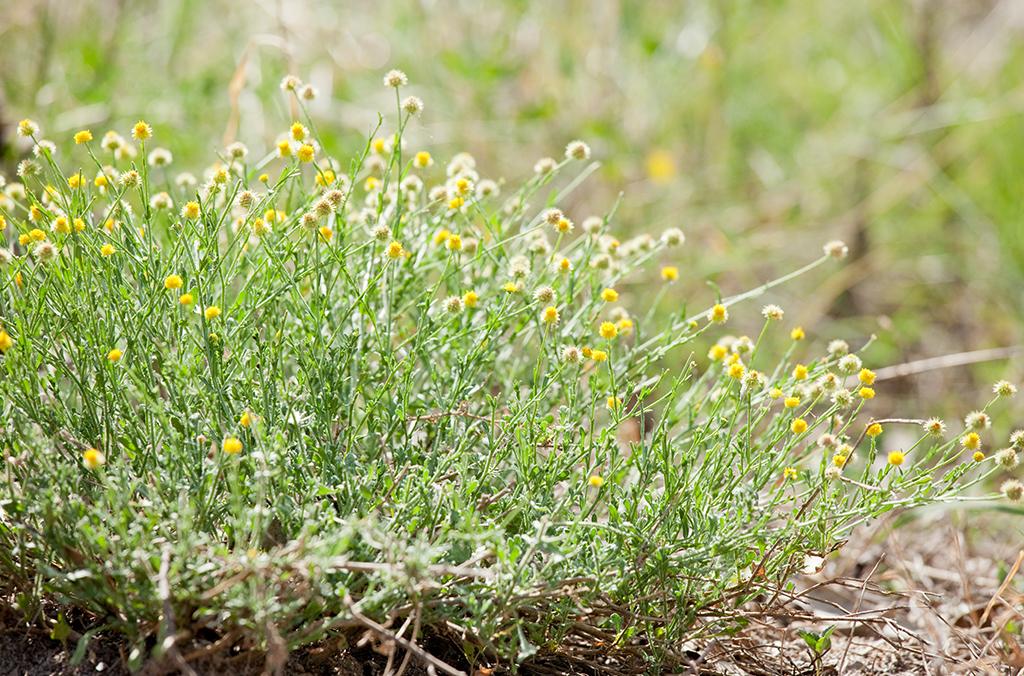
point(577, 150)
point(544, 165)
point(571, 354)
point(395, 78)
point(934, 426)
point(849, 364)
point(453, 304)
point(836, 249)
point(673, 237)
point(544, 294)
point(160, 157)
point(290, 83)
point(838, 347)
point(1007, 458)
point(977, 420)
point(1013, 490)
point(592, 225)
point(412, 105)
point(1004, 388)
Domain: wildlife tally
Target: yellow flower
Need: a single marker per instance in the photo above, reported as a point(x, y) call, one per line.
point(564, 225)
point(866, 393)
point(978, 456)
point(896, 458)
point(596, 481)
point(625, 326)
point(326, 233)
point(670, 273)
point(797, 333)
point(789, 473)
point(93, 459)
point(79, 224)
point(800, 372)
point(232, 446)
point(83, 136)
point(263, 178)
point(462, 185)
point(395, 250)
point(456, 202)
point(114, 355)
point(60, 224)
point(298, 131)
point(608, 330)
point(839, 460)
point(37, 235)
point(661, 166)
point(597, 355)
point(100, 181)
point(245, 420)
point(211, 313)
point(24, 239)
point(325, 178)
point(791, 402)
point(609, 295)
point(718, 314)
point(564, 265)
point(454, 243)
point(874, 429)
point(549, 315)
point(107, 249)
point(370, 184)
point(799, 426)
point(470, 299)
point(284, 149)
point(186, 299)
point(76, 181)
point(422, 160)
point(867, 376)
point(172, 282)
point(736, 370)
point(5, 341)
point(441, 236)
point(305, 153)
point(191, 210)
point(28, 128)
point(717, 352)
point(510, 287)
point(775, 393)
point(613, 402)
point(142, 131)
point(971, 441)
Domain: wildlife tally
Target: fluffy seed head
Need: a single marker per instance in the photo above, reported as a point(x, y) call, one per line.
point(836, 249)
point(395, 79)
point(1007, 457)
point(1004, 388)
point(577, 150)
point(1013, 490)
point(412, 105)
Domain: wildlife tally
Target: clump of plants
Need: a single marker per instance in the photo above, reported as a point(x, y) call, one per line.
point(296, 397)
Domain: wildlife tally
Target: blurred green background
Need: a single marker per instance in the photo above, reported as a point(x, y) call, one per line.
point(761, 128)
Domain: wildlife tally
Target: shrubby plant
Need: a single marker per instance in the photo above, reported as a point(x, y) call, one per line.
point(300, 397)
